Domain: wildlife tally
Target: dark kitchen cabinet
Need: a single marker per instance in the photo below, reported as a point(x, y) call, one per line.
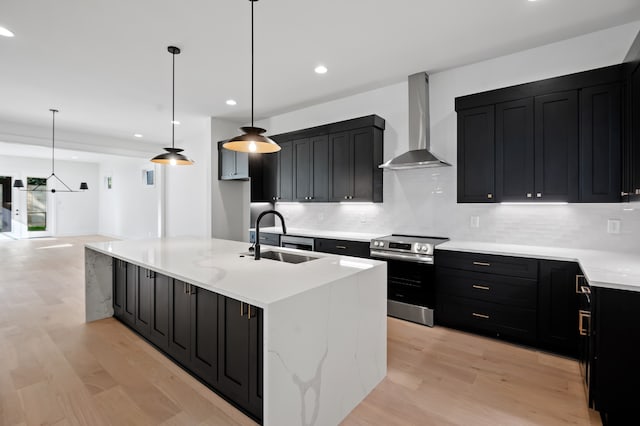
point(600, 144)
point(204, 334)
point(614, 375)
point(285, 172)
point(232, 165)
point(144, 295)
point(263, 170)
point(558, 298)
point(556, 147)
point(159, 324)
point(311, 159)
point(494, 295)
point(555, 140)
point(631, 166)
point(343, 247)
point(514, 150)
point(179, 322)
point(476, 155)
point(124, 291)
point(354, 174)
point(240, 353)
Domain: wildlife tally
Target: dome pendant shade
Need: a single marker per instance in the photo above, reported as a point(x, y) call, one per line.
point(172, 157)
point(252, 141)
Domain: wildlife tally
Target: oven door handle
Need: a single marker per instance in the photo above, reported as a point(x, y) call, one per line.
point(398, 256)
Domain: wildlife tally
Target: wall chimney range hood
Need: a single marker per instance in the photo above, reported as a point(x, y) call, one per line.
point(419, 155)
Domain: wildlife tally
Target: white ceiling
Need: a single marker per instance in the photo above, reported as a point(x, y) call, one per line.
point(104, 64)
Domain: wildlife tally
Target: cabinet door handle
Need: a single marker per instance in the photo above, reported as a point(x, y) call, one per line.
point(341, 247)
point(192, 289)
point(490, 196)
point(346, 197)
point(241, 309)
point(539, 195)
point(578, 278)
point(481, 264)
point(184, 287)
point(480, 315)
point(249, 312)
point(638, 191)
point(481, 287)
point(529, 195)
point(584, 331)
point(624, 194)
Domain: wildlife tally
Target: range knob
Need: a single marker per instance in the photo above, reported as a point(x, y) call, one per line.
point(376, 243)
point(381, 243)
point(425, 248)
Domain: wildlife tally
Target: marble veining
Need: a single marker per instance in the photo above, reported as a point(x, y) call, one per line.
point(98, 289)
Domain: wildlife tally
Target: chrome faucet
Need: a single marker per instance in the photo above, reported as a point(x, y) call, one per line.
point(257, 243)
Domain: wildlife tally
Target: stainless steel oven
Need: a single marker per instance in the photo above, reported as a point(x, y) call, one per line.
point(410, 275)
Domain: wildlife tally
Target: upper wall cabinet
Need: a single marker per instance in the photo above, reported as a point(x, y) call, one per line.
point(476, 155)
point(333, 162)
point(232, 165)
point(552, 140)
point(631, 152)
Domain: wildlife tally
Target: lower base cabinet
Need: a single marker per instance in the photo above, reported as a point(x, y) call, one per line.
point(216, 338)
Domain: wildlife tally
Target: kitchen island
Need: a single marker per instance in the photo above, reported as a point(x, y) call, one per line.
point(321, 324)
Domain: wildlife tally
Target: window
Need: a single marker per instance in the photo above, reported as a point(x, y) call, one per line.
point(36, 204)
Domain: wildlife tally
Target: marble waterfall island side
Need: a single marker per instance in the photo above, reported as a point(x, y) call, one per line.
point(324, 334)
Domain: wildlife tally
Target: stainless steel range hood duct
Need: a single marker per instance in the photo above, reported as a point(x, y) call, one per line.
point(419, 128)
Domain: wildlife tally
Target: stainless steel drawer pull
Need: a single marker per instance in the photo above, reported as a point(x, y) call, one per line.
point(481, 287)
point(578, 278)
point(341, 247)
point(481, 264)
point(249, 312)
point(480, 315)
point(241, 309)
point(582, 329)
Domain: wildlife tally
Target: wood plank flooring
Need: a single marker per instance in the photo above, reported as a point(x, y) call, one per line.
point(57, 370)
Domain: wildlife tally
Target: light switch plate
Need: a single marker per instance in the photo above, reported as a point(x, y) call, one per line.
point(474, 221)
point(613, 226)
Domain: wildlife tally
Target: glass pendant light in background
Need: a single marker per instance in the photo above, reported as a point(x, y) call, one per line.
point(252, 140)
point(173, 155)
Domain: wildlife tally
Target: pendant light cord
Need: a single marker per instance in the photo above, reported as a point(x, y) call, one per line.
point(173, 101)
point(53, 143)
point(252, 1)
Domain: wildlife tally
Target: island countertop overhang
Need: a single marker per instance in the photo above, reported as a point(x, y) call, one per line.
point(218, 265)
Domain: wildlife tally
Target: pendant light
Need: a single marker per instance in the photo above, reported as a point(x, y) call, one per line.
point(173, 155)
point(38, 188)
point(252, 140)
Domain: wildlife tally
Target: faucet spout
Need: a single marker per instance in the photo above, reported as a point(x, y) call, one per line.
point(256, 251)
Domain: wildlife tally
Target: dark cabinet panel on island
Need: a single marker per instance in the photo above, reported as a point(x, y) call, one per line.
point(215, 338)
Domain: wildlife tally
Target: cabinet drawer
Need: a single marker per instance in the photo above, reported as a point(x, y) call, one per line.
point(498, 320)
point(517, 292)
point(344, 247)
point(269, 239)
point(502, 265)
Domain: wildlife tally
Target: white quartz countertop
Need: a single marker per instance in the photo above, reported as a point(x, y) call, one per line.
point(339, 235)
point(217, 265)
point(601, 268)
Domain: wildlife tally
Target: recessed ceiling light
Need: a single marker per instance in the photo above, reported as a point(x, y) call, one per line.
point(176, 122)
point(532, 0)
point(137, 135)
point(5, 32)
point(231, 102)
point(321, 69)
point(74, 157)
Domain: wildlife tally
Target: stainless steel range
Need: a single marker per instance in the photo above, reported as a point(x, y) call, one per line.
point(410, 275)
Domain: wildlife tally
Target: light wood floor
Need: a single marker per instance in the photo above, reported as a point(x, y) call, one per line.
point(55, 369)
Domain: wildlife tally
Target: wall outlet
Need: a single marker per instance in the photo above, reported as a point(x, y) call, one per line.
point(613, 226)
point(474, 221)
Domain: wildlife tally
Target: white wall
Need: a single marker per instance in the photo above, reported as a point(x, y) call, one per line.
point(70, 213)
point(130, 209)
point(423, 201)
point(187, 204)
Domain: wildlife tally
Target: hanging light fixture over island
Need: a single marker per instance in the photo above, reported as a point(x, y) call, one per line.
point(252, 140)
point(173, 155)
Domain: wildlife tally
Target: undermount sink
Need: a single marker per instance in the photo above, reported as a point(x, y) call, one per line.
point(281, 256)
